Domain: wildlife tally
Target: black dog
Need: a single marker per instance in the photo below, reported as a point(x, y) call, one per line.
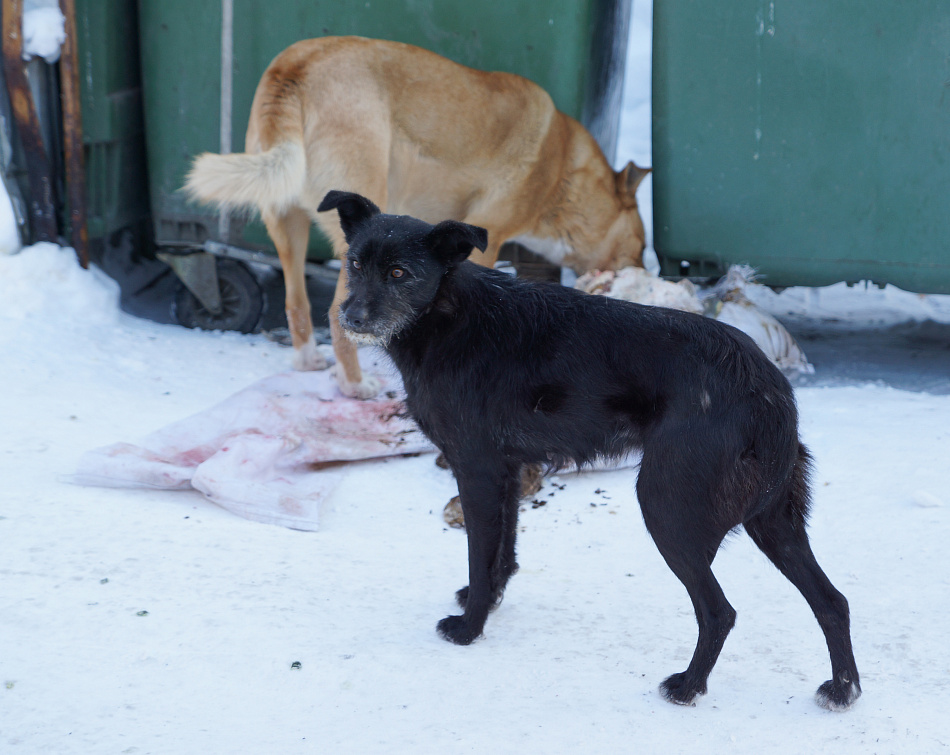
point(500, 373)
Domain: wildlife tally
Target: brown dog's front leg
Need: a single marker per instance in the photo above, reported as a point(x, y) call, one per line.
point(490, 505)
point(348, 373)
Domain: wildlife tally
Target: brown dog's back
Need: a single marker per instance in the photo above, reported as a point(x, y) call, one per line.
point(435, 136)
point(419, 135)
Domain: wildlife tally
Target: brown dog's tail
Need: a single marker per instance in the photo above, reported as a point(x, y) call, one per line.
point(271, 180)
point(268, 181)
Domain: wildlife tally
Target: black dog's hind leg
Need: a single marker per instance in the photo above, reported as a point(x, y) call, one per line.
point(489, 495)
point(715, 617)
point(687, 535)
point(781, 536)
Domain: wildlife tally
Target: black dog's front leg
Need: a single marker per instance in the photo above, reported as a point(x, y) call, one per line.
point(489, 495)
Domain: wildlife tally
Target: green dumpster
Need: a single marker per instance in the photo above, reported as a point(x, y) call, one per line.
point(573, 48)
point(810, 139)
point(113, 132)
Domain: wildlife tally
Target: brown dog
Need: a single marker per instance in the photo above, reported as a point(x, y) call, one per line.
point(420, 135)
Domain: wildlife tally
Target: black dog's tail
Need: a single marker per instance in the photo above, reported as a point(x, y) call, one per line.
point(785, 488)
point(797, 498)
point(777, 522)
point(773, 472)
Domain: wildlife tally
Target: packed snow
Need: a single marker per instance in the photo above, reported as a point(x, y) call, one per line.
point(44, 30)
point(146, 621)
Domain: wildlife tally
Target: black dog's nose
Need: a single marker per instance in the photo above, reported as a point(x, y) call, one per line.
point(354, 317)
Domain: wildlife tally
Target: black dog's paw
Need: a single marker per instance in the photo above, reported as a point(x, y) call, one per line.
point(680, 690)
point(461, 597)
point(456, 629)
point(837, 696)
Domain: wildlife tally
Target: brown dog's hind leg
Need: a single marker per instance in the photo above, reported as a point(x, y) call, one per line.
point(532, 479)
point(290, 233)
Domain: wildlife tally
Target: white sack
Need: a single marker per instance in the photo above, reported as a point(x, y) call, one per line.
point(260, 453)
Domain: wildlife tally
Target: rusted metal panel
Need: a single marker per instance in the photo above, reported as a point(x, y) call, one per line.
point(41, 211)
point(72, 135)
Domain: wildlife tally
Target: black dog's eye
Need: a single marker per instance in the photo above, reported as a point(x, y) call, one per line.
point(397, 272)
point(356, 264)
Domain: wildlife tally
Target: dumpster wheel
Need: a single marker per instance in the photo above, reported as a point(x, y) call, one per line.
point(242, 301)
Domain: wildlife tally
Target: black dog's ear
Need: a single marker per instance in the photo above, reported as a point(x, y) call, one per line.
point(453, 241)
point(354, 210)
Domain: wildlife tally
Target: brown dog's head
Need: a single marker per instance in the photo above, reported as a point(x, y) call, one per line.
point(610, 234)
point(394, 265)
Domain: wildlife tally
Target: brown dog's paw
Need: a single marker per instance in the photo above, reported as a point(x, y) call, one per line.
point(532, 476)
point(366, 388)
point(308, 358)
point(531, 480)
point(452, 514)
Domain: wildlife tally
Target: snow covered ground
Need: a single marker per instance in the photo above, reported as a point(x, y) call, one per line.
point(145, 621)
point(141, 621)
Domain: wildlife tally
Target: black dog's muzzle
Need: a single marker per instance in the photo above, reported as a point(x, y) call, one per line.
point(355, 317)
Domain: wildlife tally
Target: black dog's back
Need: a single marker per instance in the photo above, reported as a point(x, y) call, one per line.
point(572, 377)
point(500, 373)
